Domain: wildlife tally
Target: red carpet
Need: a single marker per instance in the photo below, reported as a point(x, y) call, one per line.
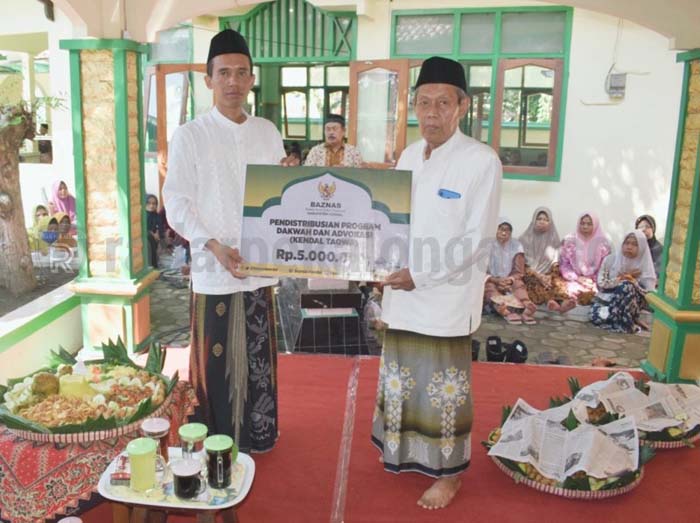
point(296, 482)
point(667, 493)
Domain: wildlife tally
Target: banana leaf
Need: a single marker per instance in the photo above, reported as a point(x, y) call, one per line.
point(572, 483)
point(90, 425)
point(570, 422)
point(505, 412)
point(574, 386)
point(156, 359)
point(3, 390)
point(16, 422)
point(62, 357)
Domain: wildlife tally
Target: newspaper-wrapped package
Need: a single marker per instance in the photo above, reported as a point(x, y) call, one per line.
point(598, 460)
point(667, 414)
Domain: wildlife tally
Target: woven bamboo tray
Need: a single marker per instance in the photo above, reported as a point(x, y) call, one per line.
point(567, 493)
point(98, 435)
point(675, 444)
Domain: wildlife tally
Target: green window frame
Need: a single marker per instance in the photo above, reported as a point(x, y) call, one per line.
point(497, 58)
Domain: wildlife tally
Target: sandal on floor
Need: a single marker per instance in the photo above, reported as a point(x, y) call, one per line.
point(494, 349)
point(529, 320)
point(513, 319)
point(516, 352)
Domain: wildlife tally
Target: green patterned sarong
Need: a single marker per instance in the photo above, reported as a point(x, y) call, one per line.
point(423, 414)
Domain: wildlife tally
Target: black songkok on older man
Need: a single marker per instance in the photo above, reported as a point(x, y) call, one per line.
point(438, 70)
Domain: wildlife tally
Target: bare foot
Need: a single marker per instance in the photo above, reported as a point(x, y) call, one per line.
point(553, 306)
point(440, 493)
point(567, 306)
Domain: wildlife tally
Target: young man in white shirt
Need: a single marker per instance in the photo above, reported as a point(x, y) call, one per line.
point(423, 415)
point(233, 358)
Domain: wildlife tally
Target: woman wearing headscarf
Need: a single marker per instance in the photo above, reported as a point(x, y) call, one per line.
point(65, 227)
point(541, 244)
point(36, 237)
point(62, 200)
point(505, 277)
point(647, 224)
point(40, 217)
point(154, 228)
point(580, 257)
point(623, 281)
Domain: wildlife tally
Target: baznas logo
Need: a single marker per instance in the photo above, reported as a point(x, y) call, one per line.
point(326, 190)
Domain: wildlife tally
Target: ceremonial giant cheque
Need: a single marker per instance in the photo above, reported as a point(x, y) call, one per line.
point(350, 224)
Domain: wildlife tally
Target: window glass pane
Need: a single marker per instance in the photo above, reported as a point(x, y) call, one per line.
point(377, 114)
point(478, 117)
point(337, 103)
point(526, 120)
point(479, 76)
point(175, 95)
point(294, 114)
point(316, 104)
point(294, 76)
point(538, 108)
point(476, 123)
point(316, 114)
point(172, 45)
point(514, 77)
point(256, 72)
point(250, 103)
point(413, 73)
point(316, 75)
point(536, 76)
point(338, 75)
point(533, 32)
point(477, 33)
point(424, 34)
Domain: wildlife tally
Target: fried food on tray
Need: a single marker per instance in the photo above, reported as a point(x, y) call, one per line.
point(54, 400)
point(44, 384)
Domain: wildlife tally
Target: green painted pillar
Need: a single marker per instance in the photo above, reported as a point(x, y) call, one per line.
point(270, 93)
point(114, 278)
point(674, 348)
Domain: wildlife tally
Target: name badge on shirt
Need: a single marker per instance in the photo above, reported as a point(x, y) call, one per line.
point(450, 195)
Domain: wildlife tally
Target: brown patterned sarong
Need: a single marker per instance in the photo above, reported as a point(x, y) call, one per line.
point(233, 366)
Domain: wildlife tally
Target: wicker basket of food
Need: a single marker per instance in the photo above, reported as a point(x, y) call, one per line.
point(70, 401)
point(576, 486)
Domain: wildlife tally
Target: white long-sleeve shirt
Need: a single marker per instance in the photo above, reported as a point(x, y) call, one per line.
point(203, 191)
point(454, 209)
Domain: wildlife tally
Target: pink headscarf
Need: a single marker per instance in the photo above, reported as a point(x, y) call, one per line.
point(586, 254)
point(66, 205)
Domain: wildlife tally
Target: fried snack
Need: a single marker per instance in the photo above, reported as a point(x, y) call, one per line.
point(57, 410)
point(44, 384)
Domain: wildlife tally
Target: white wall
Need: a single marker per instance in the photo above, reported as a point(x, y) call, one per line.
point(617, 159)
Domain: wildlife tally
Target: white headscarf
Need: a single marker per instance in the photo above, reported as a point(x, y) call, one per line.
point(642, 262)
point(541, 249)
point(501, 258)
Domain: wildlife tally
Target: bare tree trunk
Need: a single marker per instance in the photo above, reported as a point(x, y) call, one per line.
point(16, 269)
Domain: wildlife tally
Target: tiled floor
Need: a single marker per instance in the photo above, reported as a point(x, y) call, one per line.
point(569, 335)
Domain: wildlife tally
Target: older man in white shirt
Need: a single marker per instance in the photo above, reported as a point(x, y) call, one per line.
point(423, 415)
point(232, 356)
